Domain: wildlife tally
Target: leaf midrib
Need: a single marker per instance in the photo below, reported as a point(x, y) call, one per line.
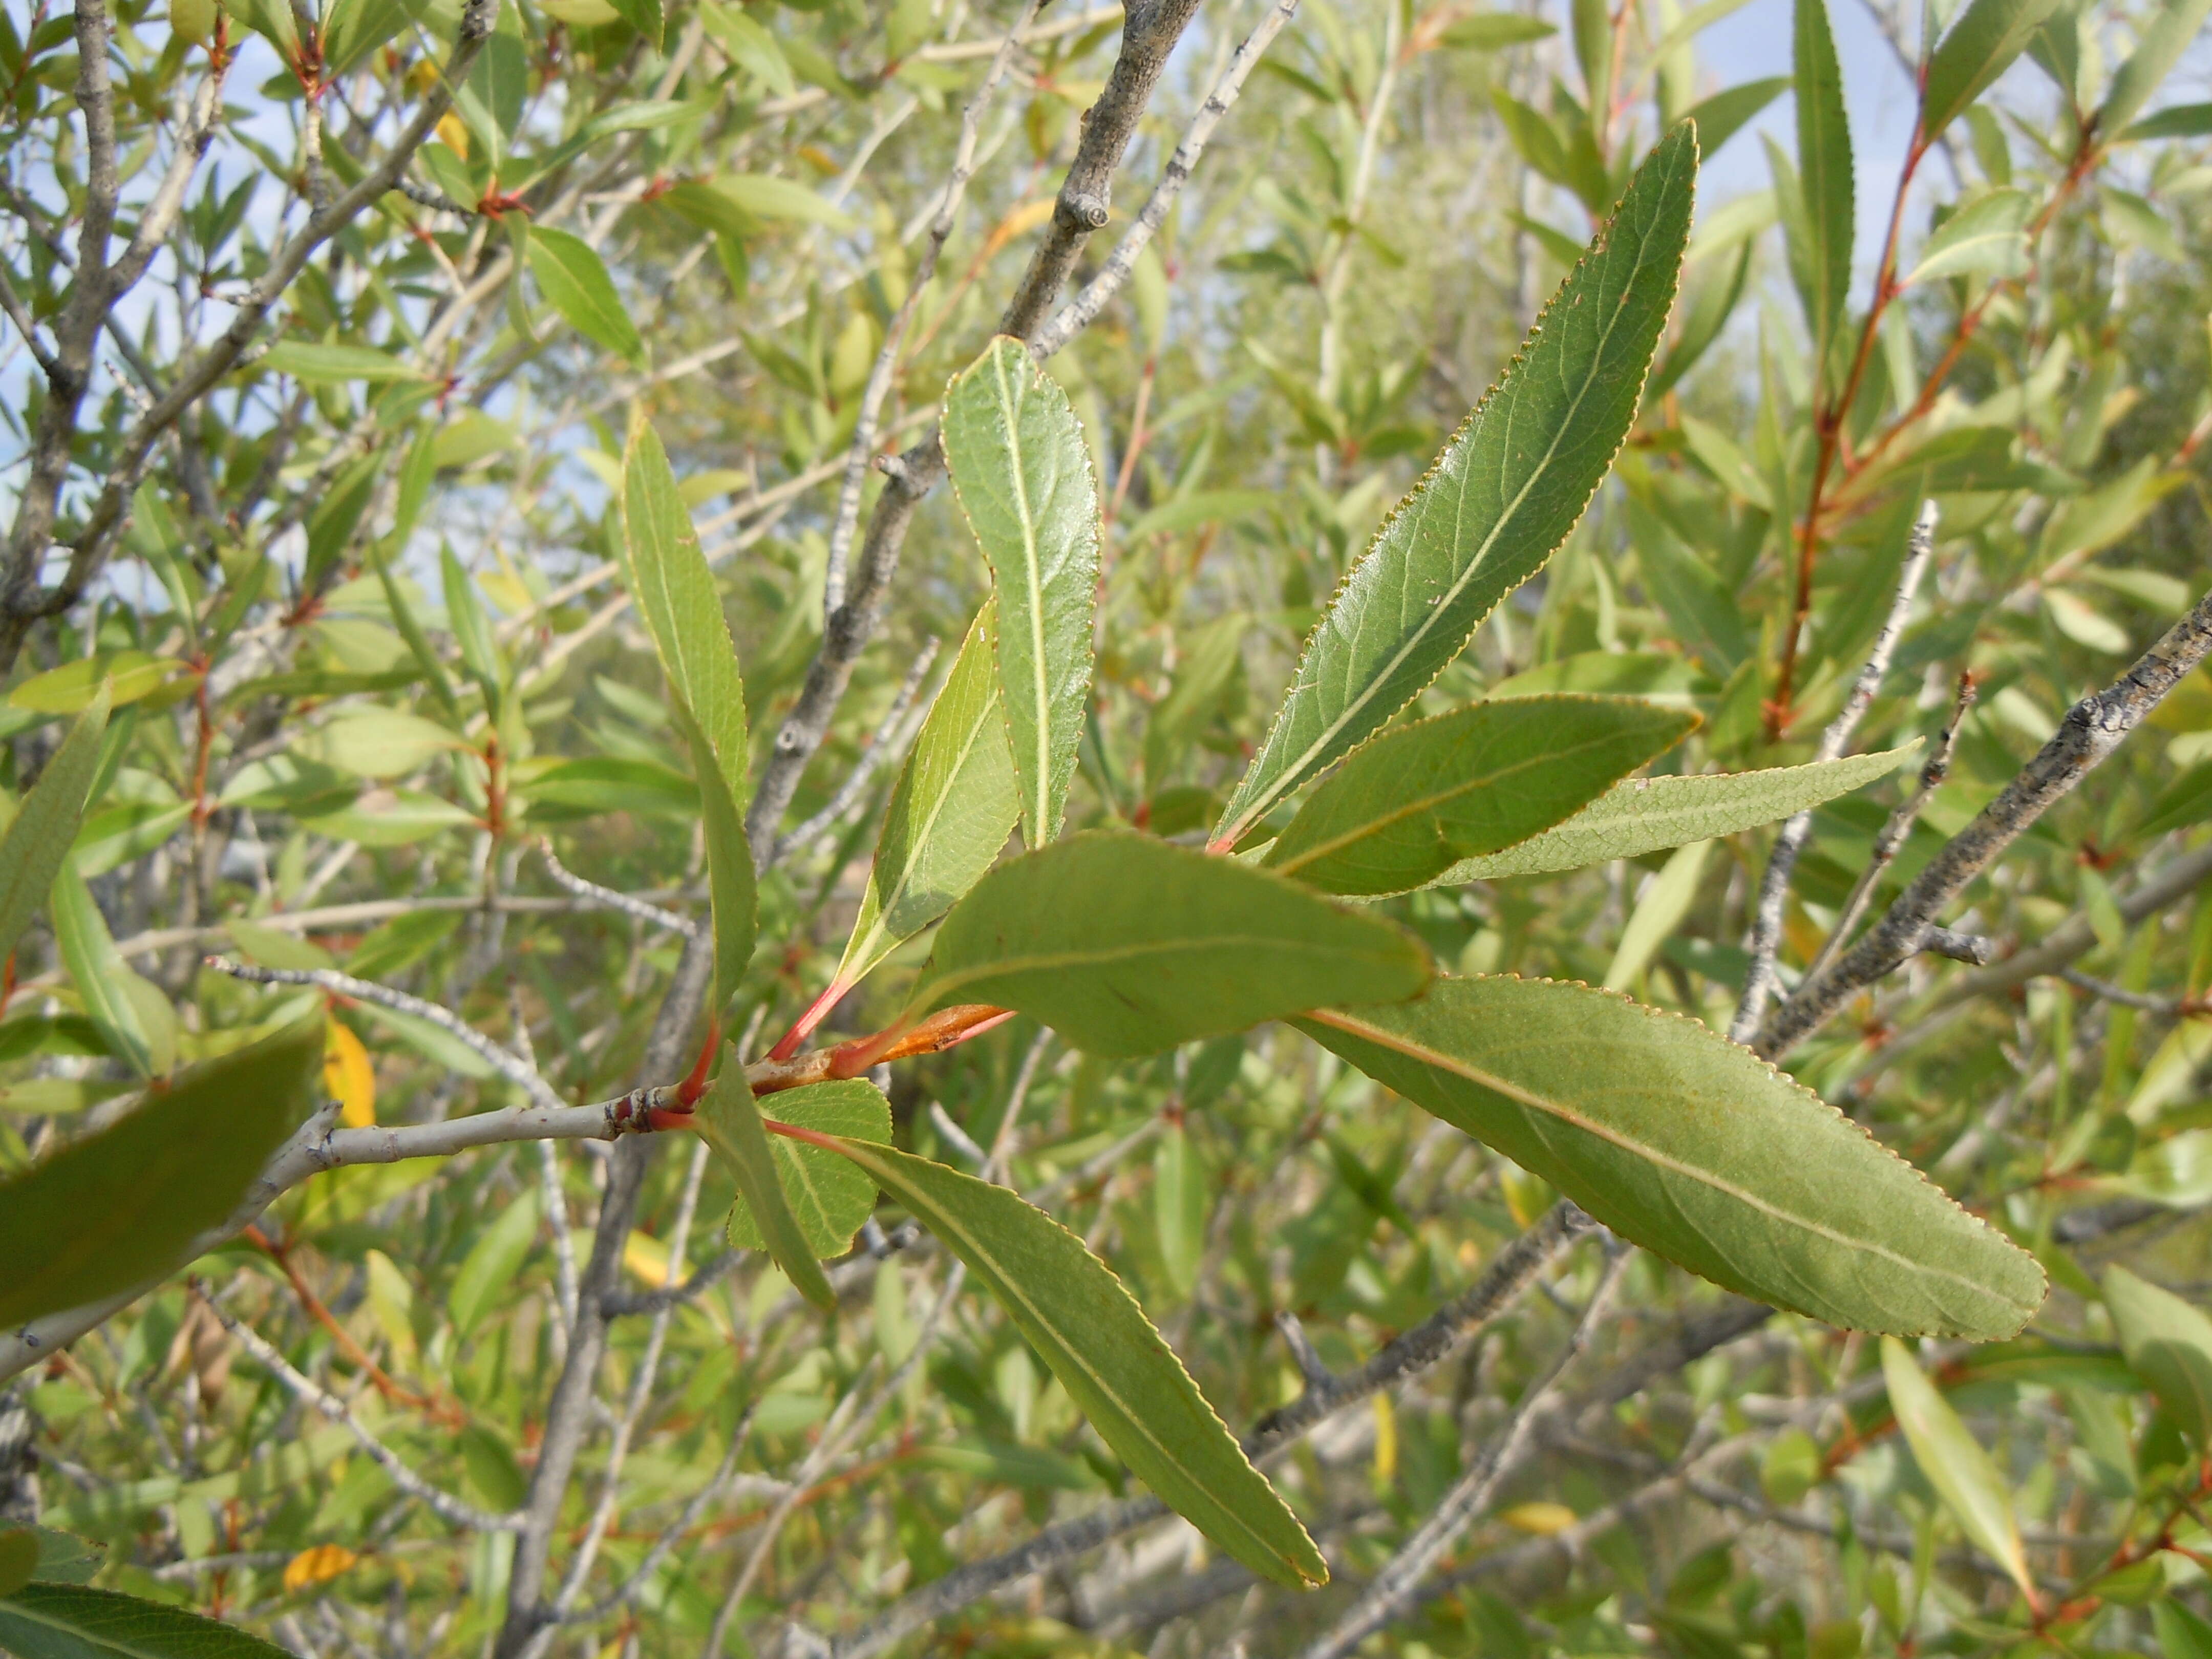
point(1010, 400)
point(982, 722)
point(1286, 776)
point(1370, 827)
point(1514, 1092)
point(1107, 956)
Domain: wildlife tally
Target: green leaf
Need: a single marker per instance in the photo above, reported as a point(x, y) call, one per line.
point(572, 276)
point(1127, 946)
point(1657, 914)
point(2169, 1344)
point(1824, 163)
point(2159, 46)
point(68, 690)
point(1405, 805)
point(46, 825)
point(331, 365)
point(1721, 117)
point(646, 16)
point(1682, 1142)
point(1022, 473)
point(1954, 1462)
point(2178, 1634)
point(2181, 121)
point(1120, 1372)
point(357, 28)
point(74, 1621)
point(2186, 801)
point(19, 1559)
point(1979, 48)
point(828, 1196)
point(1646, 815)
point(497, 1256)
point(471, 628)
point(1987, 237)
point(730, 1120)
point(63, 1560)
point(110, 1211)
point(133, 1017)
point(951, 811)
point(682, 609)
point(608, 783)
point(1499, 500)
point(1205, 673)
point(1494, 30)
point(740, 201)
point(372, 741)
point(1180, 1203)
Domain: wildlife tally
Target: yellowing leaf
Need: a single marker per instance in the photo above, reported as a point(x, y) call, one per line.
point(348, 1076)
point(317, 1564)
point(1954, 1462)
point(1545, 1520)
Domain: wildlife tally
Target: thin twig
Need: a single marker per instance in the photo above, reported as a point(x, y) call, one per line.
point(1774, 886)
point(651, 915)
point(445, 1505)
point(2092, 730)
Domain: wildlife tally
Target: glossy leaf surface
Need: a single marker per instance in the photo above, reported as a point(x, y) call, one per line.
point(830, 1196)
point(1954, 1461)
point(1406, 806)
point(2168, 1343)
point(1691, 1147)
point(1022, 472)
point(46, 823)
point(1824, 162)
point(1645, 815)
point(1127, 946)
point(1119, 1371)
point(1499, 500)
point(950, 813)
point(682, 608)
point(730, 1121)
point(110, 1211)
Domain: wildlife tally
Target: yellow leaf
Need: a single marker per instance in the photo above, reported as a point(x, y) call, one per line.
point(317, 1566)
point(647, 1257)
point(1386, 1441)
point(349, 1076)
point(1543, 1519)
point(454, 133)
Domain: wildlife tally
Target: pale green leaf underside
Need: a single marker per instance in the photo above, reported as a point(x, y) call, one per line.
point(116, 1209)
point(1023, 477)
point(950, 813)
point(2168, 1343)
point(1119, 1371)
point(1976, 50)
point(730, 1120)
point(1694, 1148)
point(46, 824)
point(1647, 815)
point(1499, 500)
point(830, 1196)
point(76, 1621)
point(1125, 945)
point(1404, 805)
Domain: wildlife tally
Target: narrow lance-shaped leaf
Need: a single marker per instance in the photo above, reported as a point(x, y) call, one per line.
point(1125, 945)
point(2157, 48)
point(117, 1208)
point(1976, 49)
point(682, 610)
point(1023, 476)
point(19, 1559)
point(1954, 1461)
point(1694, 1148)
point(471, 628)
point(1986, 237)
point(1647, 815)
point(1119, 1371)
point(730, 1121)
point(1499, 501)
point(1404, 806)
point(829, 1195)
point(571, 275)
point(134, 1018)
point(1824, 162)
point(2169, 1344)
point(76, 1621)
point(950, 812)
point(46, 824)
